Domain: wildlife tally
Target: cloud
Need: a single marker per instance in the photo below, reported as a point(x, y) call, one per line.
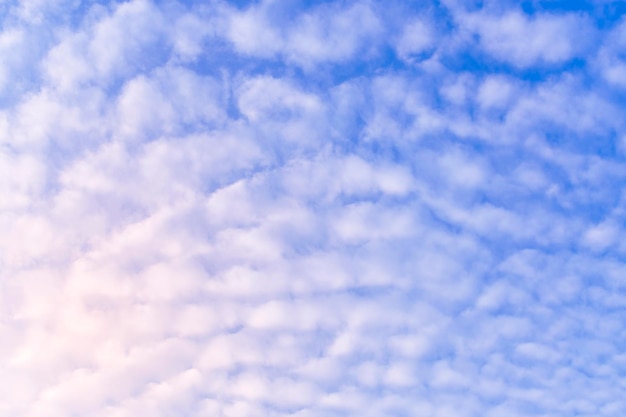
point(609, 62)
point(324, 34)
point(417, 37)
point(293, 209)
point(523, 41)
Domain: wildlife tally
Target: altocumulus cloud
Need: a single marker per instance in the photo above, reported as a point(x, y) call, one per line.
point(355, 208)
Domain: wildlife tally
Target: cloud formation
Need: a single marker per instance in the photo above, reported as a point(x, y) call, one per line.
point(311, 209)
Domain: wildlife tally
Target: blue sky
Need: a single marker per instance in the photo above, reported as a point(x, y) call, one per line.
point(300, 208)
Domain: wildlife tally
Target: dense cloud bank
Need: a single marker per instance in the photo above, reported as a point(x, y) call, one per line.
point(312, 208)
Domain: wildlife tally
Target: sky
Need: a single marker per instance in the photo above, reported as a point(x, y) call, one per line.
point(312, 208)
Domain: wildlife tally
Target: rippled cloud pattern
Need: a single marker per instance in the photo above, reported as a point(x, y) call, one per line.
point(312, 208)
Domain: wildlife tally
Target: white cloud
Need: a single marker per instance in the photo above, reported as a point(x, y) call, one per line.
point(188, 35)
point(602, 235)
point(327, 33)
point(544, 39)
point(417, 37)
point(496, 92)
point(331, 35)
point(277, 210)
point(164, 104)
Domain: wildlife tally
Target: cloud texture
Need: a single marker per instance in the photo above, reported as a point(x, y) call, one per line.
point(312, 209)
